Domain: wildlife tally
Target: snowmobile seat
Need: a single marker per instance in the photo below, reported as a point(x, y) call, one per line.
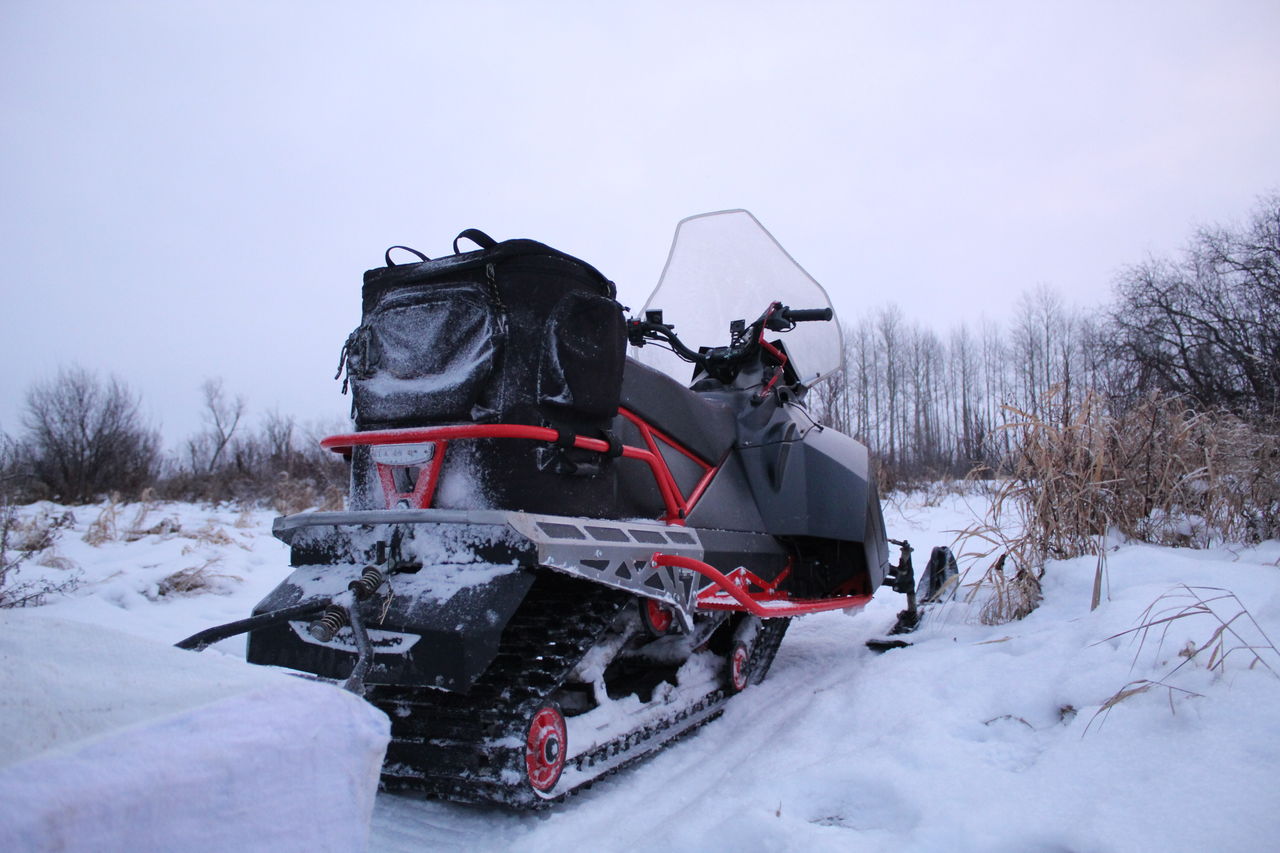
point(704, 427)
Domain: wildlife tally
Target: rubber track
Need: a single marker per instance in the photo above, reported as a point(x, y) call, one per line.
point(471, 748)
point(762, 655)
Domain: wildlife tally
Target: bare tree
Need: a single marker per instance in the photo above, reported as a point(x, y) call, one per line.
point(221, 416)
point(11, 472)
point(277, 433)
point(889, 331)
point(85, 438)
point(828, 400)
point(967, 406)
point(862, 367)
point(1208, 325)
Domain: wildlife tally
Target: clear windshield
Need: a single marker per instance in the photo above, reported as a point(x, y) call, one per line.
point(725, 266)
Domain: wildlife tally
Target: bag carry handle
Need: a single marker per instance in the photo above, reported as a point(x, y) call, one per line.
point(392, 263)
point(481, 239)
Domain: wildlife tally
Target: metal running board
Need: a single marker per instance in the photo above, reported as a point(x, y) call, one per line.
point(618, 554)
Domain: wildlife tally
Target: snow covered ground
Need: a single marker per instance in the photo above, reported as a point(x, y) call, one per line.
point(111, 741)
point(975, 738)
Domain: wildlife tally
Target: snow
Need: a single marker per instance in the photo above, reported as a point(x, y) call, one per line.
point(427, 585)
point(975, 738)
point(118, 741)
point(113, 742)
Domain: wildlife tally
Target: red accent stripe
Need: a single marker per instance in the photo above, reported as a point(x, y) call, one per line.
point(755, 604)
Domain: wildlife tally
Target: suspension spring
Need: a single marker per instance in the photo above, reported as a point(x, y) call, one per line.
point(367, 584)
point(329, 623)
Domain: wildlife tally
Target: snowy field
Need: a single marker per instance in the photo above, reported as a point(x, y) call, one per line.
point(975, 738)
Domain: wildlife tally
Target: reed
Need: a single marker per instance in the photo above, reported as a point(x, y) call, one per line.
point(1085, 474)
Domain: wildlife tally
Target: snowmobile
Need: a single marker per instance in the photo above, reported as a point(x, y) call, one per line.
point(556, 557)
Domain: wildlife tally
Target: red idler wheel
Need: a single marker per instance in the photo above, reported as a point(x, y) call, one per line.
point(656, 616)
point(739, 667)
point(546, 748)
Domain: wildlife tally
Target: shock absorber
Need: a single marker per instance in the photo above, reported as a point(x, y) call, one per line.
point(367, 584)
point(329, 623)
point(336, 616)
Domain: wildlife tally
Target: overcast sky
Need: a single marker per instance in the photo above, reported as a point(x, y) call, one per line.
point(193, 189)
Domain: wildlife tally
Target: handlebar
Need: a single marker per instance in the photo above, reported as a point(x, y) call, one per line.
point(724, 362)
point(806, 315)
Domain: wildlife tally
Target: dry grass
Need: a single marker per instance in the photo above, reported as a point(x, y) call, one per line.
point(1137, 688)
point(137, 527)
point(19, 541)
point(211, 534)
point(293, 495)
point(1157, 472)
point(1234, 631)
point(51, 559)
point(105, 527)
point(1229, 630)
point(145, 505)
point(165, 527)
point(1004, 599)
point(38, 532)
point(933, 492)
point(195, 580)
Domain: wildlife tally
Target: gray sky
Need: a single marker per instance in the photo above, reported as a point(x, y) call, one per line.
point(193, 189)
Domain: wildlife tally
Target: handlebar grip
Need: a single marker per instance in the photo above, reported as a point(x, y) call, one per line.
point(803, 315)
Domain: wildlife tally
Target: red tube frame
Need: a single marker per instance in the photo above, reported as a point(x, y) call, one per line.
point(767, 604)
point(763, 604)
point(652, 436)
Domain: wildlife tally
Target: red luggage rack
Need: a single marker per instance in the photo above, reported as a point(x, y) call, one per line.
point(420, 497)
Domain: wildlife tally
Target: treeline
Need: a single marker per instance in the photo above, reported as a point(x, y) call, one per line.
point(84, 438)
point(931, 405)
point(1203, 327)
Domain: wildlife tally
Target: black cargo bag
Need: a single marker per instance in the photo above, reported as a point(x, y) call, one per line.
point(516, 332)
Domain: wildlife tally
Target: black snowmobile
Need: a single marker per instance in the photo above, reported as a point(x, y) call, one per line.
point(557, 558)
